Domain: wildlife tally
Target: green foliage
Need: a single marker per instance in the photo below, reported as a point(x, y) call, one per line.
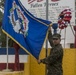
point(1, 16)
point(1, 9)
point(2, 35)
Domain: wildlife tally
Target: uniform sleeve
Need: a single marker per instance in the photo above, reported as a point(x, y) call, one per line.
point(56, 54)
point(50, 38)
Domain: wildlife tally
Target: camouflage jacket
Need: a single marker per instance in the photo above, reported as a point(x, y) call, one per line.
point(54, 60)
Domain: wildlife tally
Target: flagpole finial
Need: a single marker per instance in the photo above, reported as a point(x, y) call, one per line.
point(55, 26)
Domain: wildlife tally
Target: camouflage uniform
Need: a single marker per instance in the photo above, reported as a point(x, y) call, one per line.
point(54, 60)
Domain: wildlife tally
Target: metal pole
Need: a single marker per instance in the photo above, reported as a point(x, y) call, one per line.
point(64, 37)
point(72, 29)
point(46, 38)
point(46, 19)
point(7, 50)
point(7, 70)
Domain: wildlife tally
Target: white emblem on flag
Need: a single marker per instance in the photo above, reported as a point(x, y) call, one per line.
point(18, 19)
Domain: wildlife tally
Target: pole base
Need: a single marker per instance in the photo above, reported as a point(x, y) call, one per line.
point(7, 70)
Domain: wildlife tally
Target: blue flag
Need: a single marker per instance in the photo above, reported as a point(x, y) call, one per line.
point(25, 29)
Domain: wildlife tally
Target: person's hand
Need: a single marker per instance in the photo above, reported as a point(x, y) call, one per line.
point(49, 29)
point(51, 25)
point(38, 61)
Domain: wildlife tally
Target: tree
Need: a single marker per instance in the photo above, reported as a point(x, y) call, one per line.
point(1, 9)
point(2, 35)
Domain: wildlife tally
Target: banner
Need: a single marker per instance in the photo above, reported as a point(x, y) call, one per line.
point(55, 7)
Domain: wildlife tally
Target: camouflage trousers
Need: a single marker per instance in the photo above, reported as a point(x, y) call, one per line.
point(55, 73)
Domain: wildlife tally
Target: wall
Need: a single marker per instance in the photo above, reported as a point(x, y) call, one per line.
point(69, 64)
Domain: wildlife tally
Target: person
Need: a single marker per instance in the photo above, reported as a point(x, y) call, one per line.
point(54, 60)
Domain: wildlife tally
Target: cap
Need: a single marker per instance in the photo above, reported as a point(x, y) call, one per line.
point(56, 35)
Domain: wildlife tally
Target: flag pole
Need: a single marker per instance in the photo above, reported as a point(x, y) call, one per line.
point(7, 70)
point(46, 19)
point(46, 38)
